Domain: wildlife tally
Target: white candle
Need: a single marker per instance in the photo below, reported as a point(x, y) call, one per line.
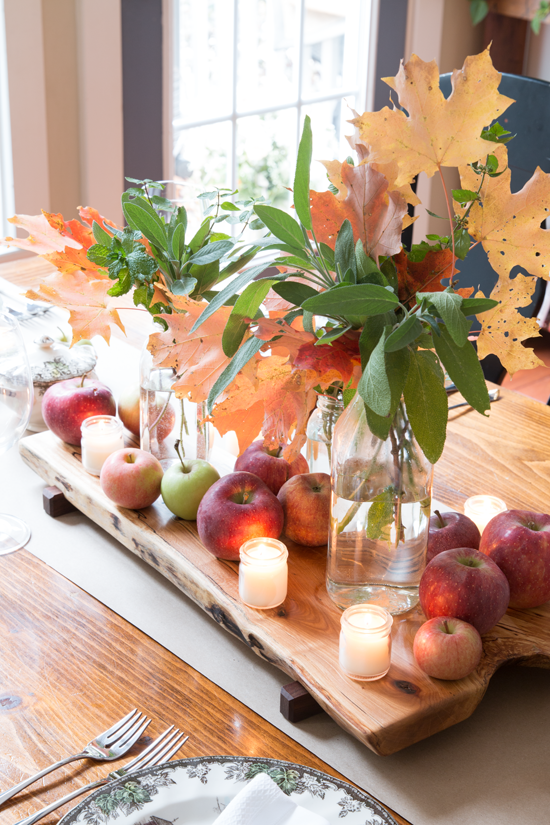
point(481, 509)
point(101, 436)
point(365, 642)
point(263, 573)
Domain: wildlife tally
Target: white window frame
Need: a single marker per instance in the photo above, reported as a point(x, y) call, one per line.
point(7, 196)
point(363, 92)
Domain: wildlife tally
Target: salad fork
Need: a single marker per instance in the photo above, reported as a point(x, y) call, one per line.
point(109, 745)
point(158, 752)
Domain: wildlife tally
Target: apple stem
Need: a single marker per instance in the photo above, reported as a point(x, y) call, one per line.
point(180, 451)
point(83, 379)
point(446, 626)
point(440, 517)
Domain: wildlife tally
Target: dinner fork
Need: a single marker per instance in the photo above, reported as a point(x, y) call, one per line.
point(109, 745)
point(158, 752)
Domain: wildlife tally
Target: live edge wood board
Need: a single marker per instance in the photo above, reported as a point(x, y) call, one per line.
point(507, 454)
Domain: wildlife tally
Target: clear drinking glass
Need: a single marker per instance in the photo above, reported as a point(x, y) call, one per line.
point(16, 400)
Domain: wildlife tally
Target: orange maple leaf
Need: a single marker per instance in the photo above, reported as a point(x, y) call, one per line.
point(196, 357)
point(436, 132)
point(376, 215)
point(423, 276)
point(74, 260)
point(503, 328)
point(92, 311)
point(42, 236)
point(241, 410)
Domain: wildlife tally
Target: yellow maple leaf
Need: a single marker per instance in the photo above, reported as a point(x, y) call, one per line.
point(508, 225)
point(92, 310)
point(436, 132)
point(503, 328)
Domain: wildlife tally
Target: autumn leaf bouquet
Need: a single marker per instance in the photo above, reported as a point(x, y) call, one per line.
point(337, 305)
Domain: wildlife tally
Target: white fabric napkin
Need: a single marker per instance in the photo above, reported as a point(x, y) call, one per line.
point(261, 802)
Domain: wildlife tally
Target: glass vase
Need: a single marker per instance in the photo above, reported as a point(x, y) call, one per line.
point(319, 432)
point(165, 419)
point(380, 510)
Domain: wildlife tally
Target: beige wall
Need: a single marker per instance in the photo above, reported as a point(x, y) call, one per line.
point(65, 83)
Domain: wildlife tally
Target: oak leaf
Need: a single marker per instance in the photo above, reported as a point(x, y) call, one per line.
point(436, 131)
point(334, 362)
point(503, 328)
point(241, 410)
point(425, 275)
point(376, 215)
point(92, 311)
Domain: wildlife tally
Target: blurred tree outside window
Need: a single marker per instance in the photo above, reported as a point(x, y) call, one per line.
point(246, 72)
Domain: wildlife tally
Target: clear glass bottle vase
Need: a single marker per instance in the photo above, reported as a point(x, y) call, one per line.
point(380, 510)
point(320, 428)
point(165, 419)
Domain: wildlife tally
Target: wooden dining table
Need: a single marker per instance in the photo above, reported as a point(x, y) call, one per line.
point(70, 666)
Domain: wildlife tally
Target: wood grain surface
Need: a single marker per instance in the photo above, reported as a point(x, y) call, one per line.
point(506, 454)
point(70, 667)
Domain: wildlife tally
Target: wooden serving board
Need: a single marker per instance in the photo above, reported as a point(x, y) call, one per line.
point(301, 636)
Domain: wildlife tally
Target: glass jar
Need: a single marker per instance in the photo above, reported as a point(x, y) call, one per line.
point(165, 419)
point(319, 432)
point(365, 642)
point(380, 510)
point(101, 436)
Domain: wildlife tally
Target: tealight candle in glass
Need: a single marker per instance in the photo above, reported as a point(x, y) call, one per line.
point(481, 509)
point(365, 642)
point(263, 573)
point(101, 436)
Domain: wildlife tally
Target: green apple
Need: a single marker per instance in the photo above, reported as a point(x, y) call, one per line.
point(185, 483)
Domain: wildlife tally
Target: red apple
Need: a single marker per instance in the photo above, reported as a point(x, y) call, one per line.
point(306, 504)
point(519, 542)
point(447, 648)
point(236, 508)
point(450, 530)
point(269, 465)
point(68, 403)
point(129, 413)
point(467, 585)
point(131, 478)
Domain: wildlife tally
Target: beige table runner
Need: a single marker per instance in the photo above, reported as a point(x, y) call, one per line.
point(491, 769)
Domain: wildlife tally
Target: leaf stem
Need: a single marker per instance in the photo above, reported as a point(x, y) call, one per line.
point(450, 222)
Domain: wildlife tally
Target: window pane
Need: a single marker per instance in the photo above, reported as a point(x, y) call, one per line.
point(329, 125)
point(203, 76)
point(331, 43)
point(201, 162)
point(267, 73)
point(266, 146)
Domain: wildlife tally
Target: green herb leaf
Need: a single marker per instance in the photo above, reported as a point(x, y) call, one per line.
point(380, 515)
point(426, 402)
point(293, 292)
point(331, 335)
point(374, 387)
point(462, 243)
point(211, 252)
point(140, 264)
point(406, 333)
point(184, 286)
point(301, 177)
point(146, 221)
point(367, 271)
point(248, 350)
point(123, 285)
point(231, 289)
point(143, 295)
point(447, 306)
point(464, 369)
point(102, 237)
point(246, 307)
point(344, 249)
point(464, 195)
point(281, 225)
point(397, 370)
point(354, 300)
point(475, 306)
point(178, 242)
point(99, 254)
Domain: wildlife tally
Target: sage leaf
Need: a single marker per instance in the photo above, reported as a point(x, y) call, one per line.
point(293, 292)
point(102, 237)
point(231, 289)
point(344, 249)
point(464, 370)
point(246, 307)
point(380, 515)
point(426, 402)
point(281, 225)
point(475, 306)
point(301, 177)
point(147, 221)
point(448, 308)
point(352, 299)
point(397, 370)
point(211, 252)
point(407, 332)
point(374, 387)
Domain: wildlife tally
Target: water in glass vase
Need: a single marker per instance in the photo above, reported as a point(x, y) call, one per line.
point(380, 509)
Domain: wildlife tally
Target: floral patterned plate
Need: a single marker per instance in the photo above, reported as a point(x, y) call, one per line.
point(195, 792)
